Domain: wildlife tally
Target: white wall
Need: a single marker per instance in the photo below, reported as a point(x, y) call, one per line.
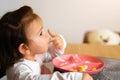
point(72, 18)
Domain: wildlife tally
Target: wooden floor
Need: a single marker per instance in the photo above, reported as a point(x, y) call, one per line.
point(112, 51)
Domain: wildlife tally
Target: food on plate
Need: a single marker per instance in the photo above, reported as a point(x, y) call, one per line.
point(94, 69)
point(83, 68)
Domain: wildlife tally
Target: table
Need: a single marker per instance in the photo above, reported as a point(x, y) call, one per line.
point(110, 51)
point(111, 70)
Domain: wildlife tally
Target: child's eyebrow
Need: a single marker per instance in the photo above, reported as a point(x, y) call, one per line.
point(40, 29)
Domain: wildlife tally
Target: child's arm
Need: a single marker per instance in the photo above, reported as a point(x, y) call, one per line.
point(24, 72)
point(86, 77)
point(56, 48)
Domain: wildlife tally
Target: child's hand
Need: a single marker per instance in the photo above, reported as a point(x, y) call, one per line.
point(86, 77)
point(56, 39)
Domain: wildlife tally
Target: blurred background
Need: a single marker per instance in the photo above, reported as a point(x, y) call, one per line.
point(71, 18)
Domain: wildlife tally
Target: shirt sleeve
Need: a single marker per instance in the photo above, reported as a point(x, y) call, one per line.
point(67, 76)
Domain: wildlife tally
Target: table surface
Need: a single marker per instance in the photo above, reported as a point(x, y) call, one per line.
point(111, 51)
point(111, 70)
point(109, 54)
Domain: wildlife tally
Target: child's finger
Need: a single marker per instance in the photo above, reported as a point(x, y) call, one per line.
point(51, 33)
point(54, 40)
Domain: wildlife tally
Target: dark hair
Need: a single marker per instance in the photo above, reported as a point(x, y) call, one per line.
point(12, 34)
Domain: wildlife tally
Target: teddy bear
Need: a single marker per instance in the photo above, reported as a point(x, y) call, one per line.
point(102, 37)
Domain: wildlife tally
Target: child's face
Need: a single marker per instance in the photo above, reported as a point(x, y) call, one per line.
point(38, 39)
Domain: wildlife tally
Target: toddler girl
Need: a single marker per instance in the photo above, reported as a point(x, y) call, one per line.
point(24, 46)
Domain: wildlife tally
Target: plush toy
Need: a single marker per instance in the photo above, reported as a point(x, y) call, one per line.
point(103, 37)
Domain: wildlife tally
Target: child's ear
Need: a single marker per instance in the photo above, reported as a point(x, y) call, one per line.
point(23, 49)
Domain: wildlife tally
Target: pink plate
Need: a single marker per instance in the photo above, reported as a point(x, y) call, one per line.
point(79, 63)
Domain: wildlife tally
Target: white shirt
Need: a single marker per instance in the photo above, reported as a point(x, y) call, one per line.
point(30, 70)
